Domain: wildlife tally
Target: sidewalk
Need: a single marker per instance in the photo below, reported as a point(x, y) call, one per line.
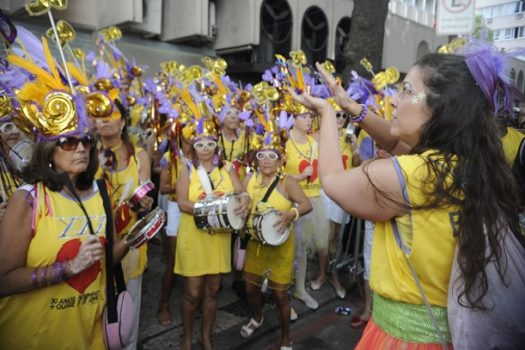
point(232, 312)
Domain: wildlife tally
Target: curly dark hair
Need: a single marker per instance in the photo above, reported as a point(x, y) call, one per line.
point(38, 169)
point(463, 133)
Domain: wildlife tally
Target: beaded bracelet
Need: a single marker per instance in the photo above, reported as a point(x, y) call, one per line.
point(359, 118)
point(34, 278)
point(296, 213)
point(44, 272)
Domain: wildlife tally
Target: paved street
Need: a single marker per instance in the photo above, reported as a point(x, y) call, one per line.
point(320, 329)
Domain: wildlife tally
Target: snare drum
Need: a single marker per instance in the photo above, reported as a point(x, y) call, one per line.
point(146, 228)
point(217, 214)
point(264, 230)
point(20, 154)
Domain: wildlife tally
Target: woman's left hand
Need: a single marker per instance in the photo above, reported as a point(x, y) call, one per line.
point(242, 210)
point(145, 204)
point(286, 219)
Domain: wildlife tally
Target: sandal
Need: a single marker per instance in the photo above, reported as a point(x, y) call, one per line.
point(248, 329)
point(357, 322)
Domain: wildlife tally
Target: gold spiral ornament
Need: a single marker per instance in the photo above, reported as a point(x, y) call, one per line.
point(59, 114)
point(98, 105)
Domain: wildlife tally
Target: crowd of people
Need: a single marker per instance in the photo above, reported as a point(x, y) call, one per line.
point(433, 168)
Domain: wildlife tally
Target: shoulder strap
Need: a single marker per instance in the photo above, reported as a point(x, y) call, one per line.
point(272, 186)
point(113, 272)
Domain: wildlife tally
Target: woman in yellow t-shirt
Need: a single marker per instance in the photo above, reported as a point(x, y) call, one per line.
point(202, 258)
point(263, 261)
point(422, 202)
point(52, 270)
point(125, 167)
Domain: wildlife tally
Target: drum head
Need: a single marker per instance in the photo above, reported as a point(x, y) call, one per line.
point(269, 232)
point(236, 221)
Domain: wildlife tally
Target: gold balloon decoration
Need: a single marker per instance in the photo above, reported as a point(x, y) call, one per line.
point(264, 93)
point(136, 71)
point(103, 84)
point(6, 106)
point(111, 34)
point(191, 74)
point(298, 58)
point(41, 7)
point(367, 65)
point(66, 33)
point(389, 77)
point(328, 66)
point(98, 105)
point(452, 46)
point(83, 89)
point(79, 54)
point(169, 67)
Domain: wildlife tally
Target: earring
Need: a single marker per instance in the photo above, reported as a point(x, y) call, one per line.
point(50, 165)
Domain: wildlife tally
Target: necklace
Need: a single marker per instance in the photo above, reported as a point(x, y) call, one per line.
point(230, 156)
point(308, 154)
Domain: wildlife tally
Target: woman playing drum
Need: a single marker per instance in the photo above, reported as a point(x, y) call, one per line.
point(271, 190)
point(201, 258)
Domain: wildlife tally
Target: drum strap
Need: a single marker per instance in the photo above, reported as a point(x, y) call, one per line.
point(114, 273)
point(271, 188)
point(205, 180)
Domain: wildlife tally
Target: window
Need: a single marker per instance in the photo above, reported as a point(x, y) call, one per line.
point(521, 32)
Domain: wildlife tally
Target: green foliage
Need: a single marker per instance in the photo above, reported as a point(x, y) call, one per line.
point(481, 31)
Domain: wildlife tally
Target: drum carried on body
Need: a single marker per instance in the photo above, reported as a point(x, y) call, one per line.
point(217, 214)
point(146, 228)
point(264, 229)
point(20, 154)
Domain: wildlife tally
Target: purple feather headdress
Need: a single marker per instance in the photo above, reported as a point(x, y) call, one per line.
point(488, 67)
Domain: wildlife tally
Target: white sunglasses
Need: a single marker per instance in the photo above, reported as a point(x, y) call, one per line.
point(7, 127)
point(267, 155)
point(209, 144)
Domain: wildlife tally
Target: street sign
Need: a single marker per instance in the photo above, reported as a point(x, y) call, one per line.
point(455, 17)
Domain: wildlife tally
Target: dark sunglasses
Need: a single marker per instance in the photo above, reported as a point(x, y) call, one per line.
point(71, 143)
point(341, 115)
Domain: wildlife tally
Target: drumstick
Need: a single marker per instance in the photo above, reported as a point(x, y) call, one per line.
point(125, 192)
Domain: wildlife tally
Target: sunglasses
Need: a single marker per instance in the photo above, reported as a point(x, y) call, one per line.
point(7, 127)
point(341, 115)
point(209, 144)
point(71, 143)
point(267, 155)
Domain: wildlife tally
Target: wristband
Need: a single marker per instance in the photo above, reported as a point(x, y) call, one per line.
point(359, 118)
point(59, 271)
point(44, 272)
point(296, 213)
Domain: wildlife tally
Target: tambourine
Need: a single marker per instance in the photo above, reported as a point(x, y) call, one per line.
point(140, 192)
point(146, 228)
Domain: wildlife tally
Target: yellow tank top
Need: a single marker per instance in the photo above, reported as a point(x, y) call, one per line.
point(174, 172)
point(346, 152)
point(431, 236)
point(511, 143)
point(123, 183)
point(235, 152)
point(67, 315)
point(298, 157)
point(257, 191)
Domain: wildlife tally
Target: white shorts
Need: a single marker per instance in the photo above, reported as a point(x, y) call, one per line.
point(162, 201)
point(172, 227)
point(367, 247)
point(334, 212)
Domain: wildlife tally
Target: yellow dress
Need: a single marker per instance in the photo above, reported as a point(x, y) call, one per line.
point(66, 315)
point(274, 263)
point(298, 157)
point(127, 179)
point(235, 152)
point(174, 168)
point(198, 252)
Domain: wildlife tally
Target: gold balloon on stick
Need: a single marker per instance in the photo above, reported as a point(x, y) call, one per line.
point(40, 7)
point(66, 33)
point(6, 107)
point(298, 60)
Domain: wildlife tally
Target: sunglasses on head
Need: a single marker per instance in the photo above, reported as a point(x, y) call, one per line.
point(341, 115)
point(70, 143)
point(267, 155)
point(7, 127)
point(209, 144)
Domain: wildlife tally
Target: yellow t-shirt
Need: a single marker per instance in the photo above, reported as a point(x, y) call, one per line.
point(431, 236)
point(198, 252)
point(346, 152)
point(235, 152)
point(298, 157)
point(174, 168)
point(126, 180)
point(67, 315)
point(511, 143)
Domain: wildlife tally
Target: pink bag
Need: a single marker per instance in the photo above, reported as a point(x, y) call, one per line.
point(118, 333)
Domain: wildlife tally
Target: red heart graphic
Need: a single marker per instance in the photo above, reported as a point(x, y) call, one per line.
point(304, 164)
point(237, 166)
point(345, 161)
point(82, 280)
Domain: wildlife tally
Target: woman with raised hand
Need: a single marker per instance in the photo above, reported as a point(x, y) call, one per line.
point(271, 190)
point(202, 258)
point(431, 200)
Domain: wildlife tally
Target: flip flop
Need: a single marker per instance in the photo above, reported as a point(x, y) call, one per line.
point(164, 316)
point(357, 322)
